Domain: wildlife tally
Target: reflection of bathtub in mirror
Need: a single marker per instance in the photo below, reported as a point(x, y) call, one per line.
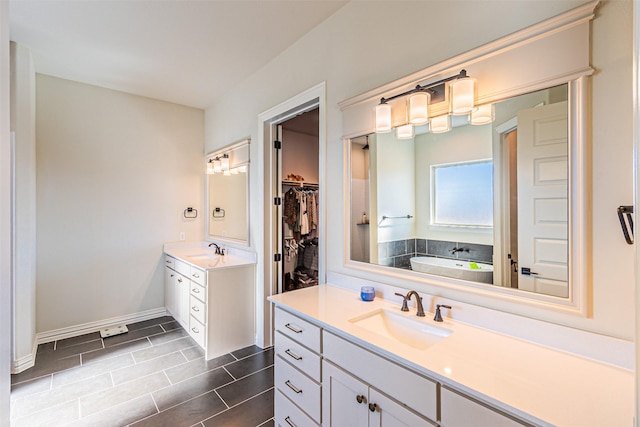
point(457, 269)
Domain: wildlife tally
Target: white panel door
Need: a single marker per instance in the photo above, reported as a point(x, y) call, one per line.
point(543, 245)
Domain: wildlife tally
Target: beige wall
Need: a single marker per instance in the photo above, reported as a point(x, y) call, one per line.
point(115, 172)
point(352, 61)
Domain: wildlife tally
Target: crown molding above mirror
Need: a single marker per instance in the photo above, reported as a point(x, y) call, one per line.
point(227, 194)
point(551, 53)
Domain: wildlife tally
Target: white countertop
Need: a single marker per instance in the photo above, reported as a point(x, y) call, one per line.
point(538, 384)
point(185, 253)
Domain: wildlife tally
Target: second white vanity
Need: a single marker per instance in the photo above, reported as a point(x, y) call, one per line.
point(211, 296)
point(345, 362)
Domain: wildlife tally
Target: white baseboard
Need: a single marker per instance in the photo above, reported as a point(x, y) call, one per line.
point(28, 361)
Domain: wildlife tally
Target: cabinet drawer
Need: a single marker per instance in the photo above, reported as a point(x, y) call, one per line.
point(170, 262)
point(289, 415)
point(198, 291)
point(409, 388)
point(460, 411)
point(297, 355)
point(297, 329)
point(197, 309)
point(196, 330)
point(299, 388)
point(182, 267)
point(198, 276)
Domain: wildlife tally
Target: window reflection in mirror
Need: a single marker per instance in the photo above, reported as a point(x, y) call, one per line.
point(484, 203)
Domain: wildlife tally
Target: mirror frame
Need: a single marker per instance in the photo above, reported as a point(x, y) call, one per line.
point(237, 146)
point(575, 303)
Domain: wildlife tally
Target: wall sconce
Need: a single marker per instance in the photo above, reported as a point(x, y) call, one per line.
point(483, 114)
point(217, 167)
point(462, 102)
point(210, 167)
point(405, 131)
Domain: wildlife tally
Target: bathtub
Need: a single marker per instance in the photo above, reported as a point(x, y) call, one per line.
point(453, 268)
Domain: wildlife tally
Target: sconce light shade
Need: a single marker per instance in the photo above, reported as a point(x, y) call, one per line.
point(242, 169)
point(440, 124)
point(217, 167)
point(419, 108)
point(383, 118)
point(483, 114)
point(210, 167)
point(234, 171)
point(224, 162)
point(226, 173)
point(462, 95)
point(404, 132)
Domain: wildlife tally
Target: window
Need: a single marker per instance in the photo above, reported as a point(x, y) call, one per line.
point(463, 194)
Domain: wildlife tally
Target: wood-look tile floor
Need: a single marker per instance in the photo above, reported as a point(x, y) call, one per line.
point(154, 375)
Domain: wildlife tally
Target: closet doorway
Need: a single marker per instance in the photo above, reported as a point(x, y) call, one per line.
point(298, 202)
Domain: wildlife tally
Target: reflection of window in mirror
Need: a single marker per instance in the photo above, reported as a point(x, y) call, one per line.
point(463, 194)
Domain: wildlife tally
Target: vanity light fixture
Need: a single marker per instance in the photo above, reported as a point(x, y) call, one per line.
point(440, 124)
point(462, 101)
point(234, 171)
point(210, 167)
point(404, 131)
point(483, 114)
point(226, 173)
point(224, 162)
point(217, 167)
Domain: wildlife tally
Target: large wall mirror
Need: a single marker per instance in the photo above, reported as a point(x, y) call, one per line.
point(484, 203)
point(227, 191)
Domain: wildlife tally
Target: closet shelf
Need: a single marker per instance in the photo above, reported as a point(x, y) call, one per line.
point(300, 184)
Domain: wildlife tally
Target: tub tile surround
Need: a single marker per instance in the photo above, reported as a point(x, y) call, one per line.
point(153, 375)
point(397, 253)
point(536, 383)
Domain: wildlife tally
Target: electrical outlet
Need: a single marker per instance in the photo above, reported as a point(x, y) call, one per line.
point(182, 236)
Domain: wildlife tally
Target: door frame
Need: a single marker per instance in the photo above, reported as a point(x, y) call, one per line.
point(310, 99)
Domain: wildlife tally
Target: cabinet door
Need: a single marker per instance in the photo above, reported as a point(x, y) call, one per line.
point(384, 412)
point(344, 399)
point(459, 411)
point(170, 290)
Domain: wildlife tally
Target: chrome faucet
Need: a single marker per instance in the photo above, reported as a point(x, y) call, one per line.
point(219, 251)
point(420, 312)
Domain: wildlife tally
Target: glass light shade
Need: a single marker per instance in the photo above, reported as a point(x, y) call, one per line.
point(463, 95)
point(217, 167)
point(383, 118)
point(234, 171)
point(242, 169)
point(224, 162)
point(483, 114)
point(440, 124)
point(404, 132)
point(226, 173)
point(210, 167)
point(419, 108)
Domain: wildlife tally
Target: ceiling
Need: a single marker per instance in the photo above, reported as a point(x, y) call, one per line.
point(183, 51)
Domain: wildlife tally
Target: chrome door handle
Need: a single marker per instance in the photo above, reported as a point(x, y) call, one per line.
point(293, 355)
point(288, 420)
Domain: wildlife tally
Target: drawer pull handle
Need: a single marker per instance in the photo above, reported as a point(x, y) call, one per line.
point(195, 291)
point(292, 387)
point(168, 262)
point(172, 275)
point(195, 331)
point(293, 328)
point(179, 280)
point(293, 355)
point(196, 275)
point(194, 308)
point(361, 398)
point(373, 407)
point(288, 420)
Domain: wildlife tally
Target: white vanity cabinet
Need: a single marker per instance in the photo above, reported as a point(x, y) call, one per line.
point(365, 389)
point(216, 306)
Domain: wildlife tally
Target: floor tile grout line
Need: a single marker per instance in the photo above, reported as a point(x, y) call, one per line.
point(254, 372)
point(227, 371)
point(223, 401)
point(251, 355)
point(237, 404)
point(266, 421)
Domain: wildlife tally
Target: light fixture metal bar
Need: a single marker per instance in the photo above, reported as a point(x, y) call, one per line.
point(425, 88)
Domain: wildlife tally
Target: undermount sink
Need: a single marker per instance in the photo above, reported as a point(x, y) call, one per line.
point(204, 256)
point(415, 332)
